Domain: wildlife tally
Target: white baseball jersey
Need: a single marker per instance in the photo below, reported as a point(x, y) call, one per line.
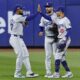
point(17, 24)
point(48, 24)
point(63, 24)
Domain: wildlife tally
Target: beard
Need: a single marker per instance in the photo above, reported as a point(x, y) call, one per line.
point(21, 13)
point(48, 12)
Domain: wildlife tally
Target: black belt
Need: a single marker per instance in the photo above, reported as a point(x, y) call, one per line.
point(18, 36)
point(51, 36)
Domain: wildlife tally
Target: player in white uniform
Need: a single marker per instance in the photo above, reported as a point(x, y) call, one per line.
point(17, 23)
point(64, 26)
point(46, 23)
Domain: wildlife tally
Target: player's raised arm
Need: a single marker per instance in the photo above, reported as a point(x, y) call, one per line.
point(32, 16)
point(43, 14)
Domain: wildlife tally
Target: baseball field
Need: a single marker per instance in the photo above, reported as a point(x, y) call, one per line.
point(37, 56)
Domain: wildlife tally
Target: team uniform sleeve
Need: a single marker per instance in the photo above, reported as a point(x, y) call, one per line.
point(41, 24)
point(21, 19)
point(68, 27)
point(54, 18)
point(68, 24)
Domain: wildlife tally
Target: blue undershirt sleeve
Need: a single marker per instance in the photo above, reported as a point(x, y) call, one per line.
point(68, 32)
point(29, 18)
point(41, 29)
point(46, 16)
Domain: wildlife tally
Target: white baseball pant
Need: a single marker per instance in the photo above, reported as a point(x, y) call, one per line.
point(22, 54)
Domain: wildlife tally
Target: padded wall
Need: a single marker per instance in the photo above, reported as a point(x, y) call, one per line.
point(31, 37)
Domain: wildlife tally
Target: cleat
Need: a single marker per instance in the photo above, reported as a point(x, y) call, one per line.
point(56, 75)
point(32, 75)
point(68, 75)
point(19, 76)
point(49, 75)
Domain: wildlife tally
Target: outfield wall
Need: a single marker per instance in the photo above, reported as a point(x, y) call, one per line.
point(31, 37)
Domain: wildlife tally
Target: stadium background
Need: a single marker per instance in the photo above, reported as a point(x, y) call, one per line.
point(31, 37)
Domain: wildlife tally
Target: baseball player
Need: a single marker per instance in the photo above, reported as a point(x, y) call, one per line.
point(16, 40)
point(46, 24)
point(64, 26)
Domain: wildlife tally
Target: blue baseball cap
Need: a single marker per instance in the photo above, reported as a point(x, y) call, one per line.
point(49, 4)
point(61, 9)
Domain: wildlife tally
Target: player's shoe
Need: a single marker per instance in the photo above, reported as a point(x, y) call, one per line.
point(68, 75)
point(56, 75)
point(48, 75)
point(19, 76)
point(32, 75)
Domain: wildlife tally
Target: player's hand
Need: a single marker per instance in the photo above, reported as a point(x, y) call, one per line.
point(25, 23)
point(40, 33)
point(39, 8)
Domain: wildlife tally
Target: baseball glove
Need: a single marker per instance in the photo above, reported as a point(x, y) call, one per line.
point(54, 29)
point(25, 23)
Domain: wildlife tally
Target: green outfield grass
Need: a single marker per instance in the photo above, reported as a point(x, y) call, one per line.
point(7, 64)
